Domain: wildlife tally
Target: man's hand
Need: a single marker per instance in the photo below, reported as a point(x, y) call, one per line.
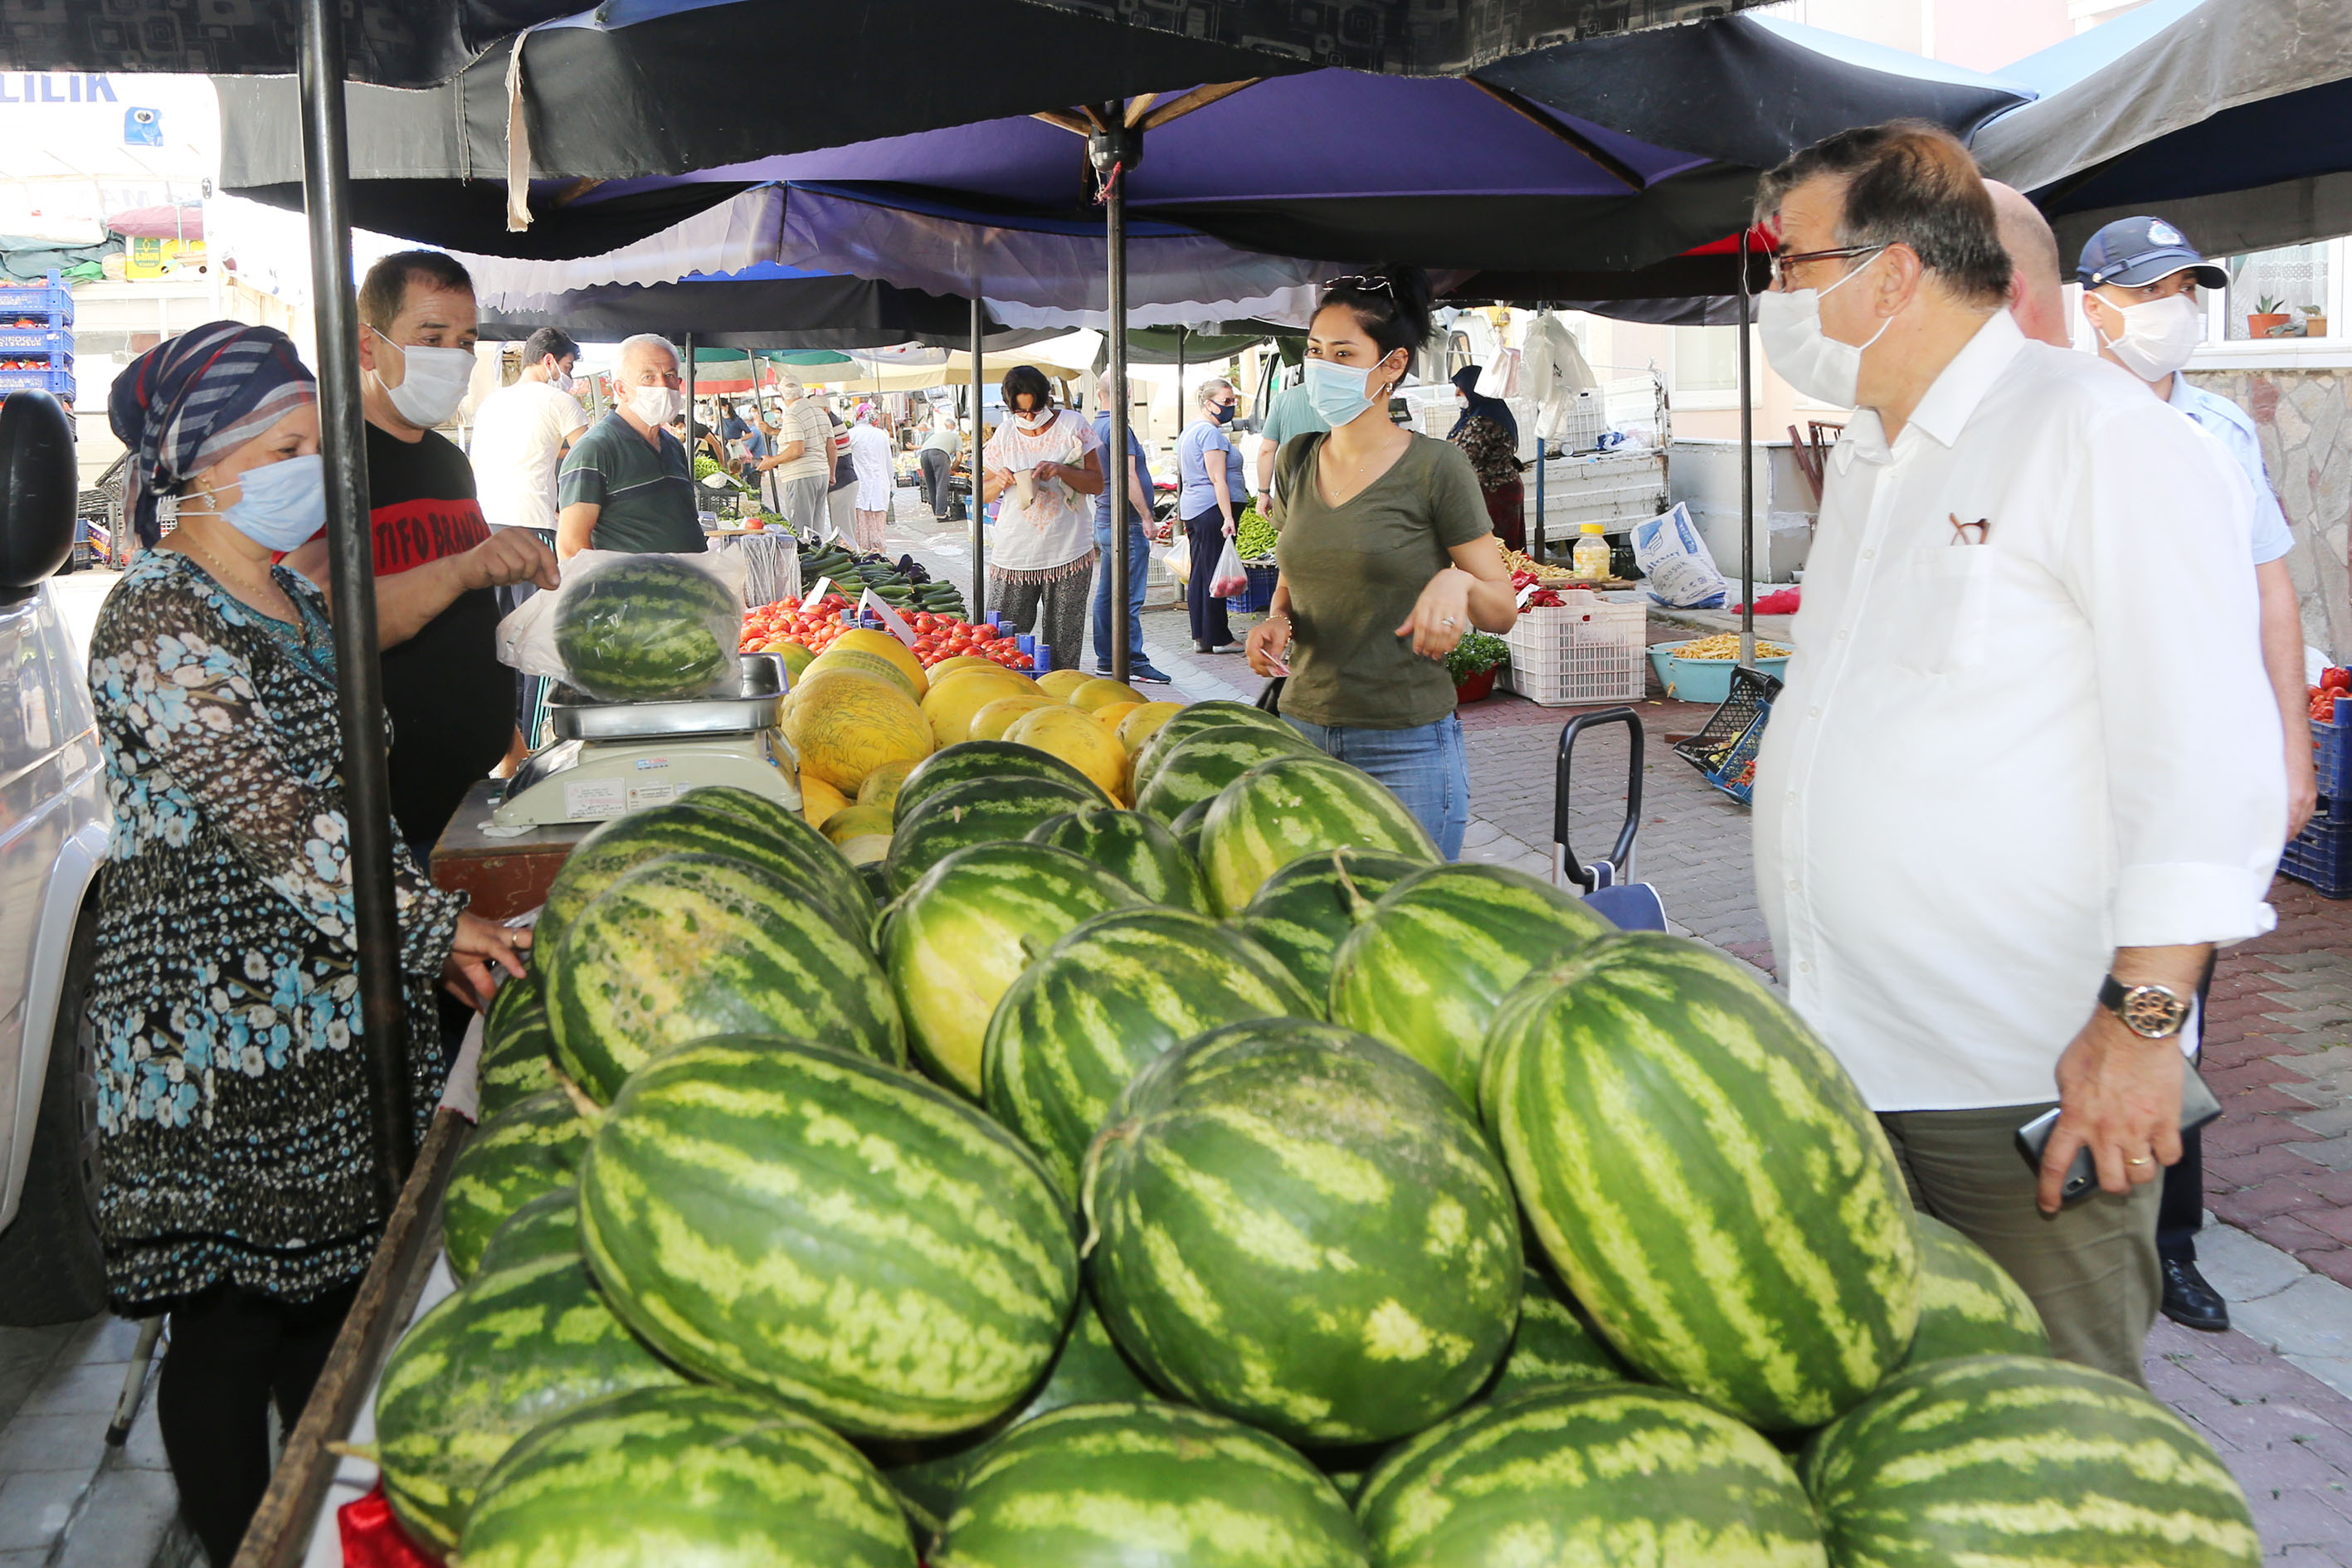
point(2301, 782)
point(509, 555)
point(2119, 1094)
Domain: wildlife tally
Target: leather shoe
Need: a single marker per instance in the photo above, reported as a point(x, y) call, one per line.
point(2192, 1302)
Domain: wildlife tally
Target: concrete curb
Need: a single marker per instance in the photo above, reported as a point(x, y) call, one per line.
point(2279, 1303)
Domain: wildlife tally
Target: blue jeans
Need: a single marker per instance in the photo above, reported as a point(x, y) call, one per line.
point(1134, 581)
point(1424, 767)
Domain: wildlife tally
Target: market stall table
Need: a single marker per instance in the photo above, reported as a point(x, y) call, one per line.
point(507, 874)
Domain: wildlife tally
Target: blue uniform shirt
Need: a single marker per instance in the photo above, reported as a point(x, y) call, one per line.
point(2234, 428)
point(1116, 484)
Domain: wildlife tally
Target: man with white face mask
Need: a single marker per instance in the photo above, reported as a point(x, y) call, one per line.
point(626, 484)
point(2026, 771)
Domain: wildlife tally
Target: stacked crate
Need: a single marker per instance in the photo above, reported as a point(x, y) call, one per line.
point(2321, 854)
point(36, 338)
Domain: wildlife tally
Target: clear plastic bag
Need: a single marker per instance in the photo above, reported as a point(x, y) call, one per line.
point(1229, 581)
point(634, 628)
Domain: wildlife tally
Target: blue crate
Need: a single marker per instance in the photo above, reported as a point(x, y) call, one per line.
point(50, 298)
point(2321, 854)
point(2332, 746)
point(35, 341)
point(1261, 591)
point(58, 384)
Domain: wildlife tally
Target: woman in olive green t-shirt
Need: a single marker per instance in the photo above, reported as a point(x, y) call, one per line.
point(1388, 559)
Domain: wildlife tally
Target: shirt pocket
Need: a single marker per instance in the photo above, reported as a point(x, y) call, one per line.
point(1939, 607)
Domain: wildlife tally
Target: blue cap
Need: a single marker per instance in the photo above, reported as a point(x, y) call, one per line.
point(2136, 250)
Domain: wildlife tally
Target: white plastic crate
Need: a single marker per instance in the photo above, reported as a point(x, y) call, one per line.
point(1617, 489)
point(1587, 650)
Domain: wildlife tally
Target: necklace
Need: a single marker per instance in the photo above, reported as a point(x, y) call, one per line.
point(292, 630)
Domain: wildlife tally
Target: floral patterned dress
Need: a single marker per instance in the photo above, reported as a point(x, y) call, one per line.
point(233, 1111)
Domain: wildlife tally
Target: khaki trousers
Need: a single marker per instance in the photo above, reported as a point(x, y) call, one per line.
point(2091, 1267)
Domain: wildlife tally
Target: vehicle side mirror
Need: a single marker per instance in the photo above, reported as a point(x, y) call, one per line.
point(40, 490)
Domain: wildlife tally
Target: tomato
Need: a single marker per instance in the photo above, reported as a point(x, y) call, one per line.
point(984, 633)
point(2336, 678)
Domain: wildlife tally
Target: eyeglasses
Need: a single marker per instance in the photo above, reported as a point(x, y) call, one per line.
point(1783, 265)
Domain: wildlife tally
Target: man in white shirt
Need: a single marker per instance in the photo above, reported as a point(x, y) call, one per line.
point(521, 434)
point(798, 473)
point(937, 459)
point(2026, 771)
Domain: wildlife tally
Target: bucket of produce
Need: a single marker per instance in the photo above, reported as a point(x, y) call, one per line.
point(1700, 671)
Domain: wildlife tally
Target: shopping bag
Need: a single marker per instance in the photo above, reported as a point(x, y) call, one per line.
point(526, 639)
point(1229, 581)
point(1674, 559)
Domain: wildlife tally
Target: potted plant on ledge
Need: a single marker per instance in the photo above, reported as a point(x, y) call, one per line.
point(1473, 663)
point(2268, 315)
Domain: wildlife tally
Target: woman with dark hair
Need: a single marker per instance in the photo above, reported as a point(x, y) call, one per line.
point(1488, 434)
point(1387, 556)
point(1043, 462)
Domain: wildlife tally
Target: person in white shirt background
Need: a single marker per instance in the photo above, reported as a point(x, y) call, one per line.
point(2026, 771)
point(869, 453)
point(797, 473)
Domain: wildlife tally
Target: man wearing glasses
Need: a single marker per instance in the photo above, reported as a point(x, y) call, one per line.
point(2026, 771)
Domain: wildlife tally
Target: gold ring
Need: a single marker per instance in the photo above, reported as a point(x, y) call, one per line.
point(2135, 1162)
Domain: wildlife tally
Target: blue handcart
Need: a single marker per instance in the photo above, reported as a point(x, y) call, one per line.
point(1608, 884)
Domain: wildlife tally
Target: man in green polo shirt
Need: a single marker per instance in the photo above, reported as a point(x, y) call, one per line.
point(626, 484)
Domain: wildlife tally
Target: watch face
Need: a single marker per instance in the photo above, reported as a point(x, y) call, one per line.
point(2152, 1011)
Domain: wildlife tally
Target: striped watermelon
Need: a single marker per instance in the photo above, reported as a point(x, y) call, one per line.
point(978, 811)
point(1292, 807)
point(1087, 1369)
point(1140, 851)
point(1197, 718)
point(510, 1351)
point(547, 1227)
point(785, 825)
point(1968, 1305)
point(647, 628)
point(1601, 1475)
point(969, 760)
point(1299, 1226)
point(1553, 1345)
point(1304, 911)
point(525, 1152)
point(714, 1478)
point(1155, 1486)
point(959, 937)
point(1999, 1459)
point(807, 1223)
point(1187, 829)
point(1705, 1177)
point(1427, 967)
point(1082, 1021)
point(517, 1047)
point(691, 945)
point(1202, 766)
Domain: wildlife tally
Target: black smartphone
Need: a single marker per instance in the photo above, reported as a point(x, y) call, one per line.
point(2197, 1106)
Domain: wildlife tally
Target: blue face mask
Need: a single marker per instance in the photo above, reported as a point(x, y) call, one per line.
point(1337, 391)
point(1223, 412)
point(283, 504)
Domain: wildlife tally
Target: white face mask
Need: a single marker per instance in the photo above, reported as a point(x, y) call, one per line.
point(433, 382)
point(655, 405)
point(1806, 357)
point(2158, 335)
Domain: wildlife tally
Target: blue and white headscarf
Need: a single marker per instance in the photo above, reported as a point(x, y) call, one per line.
point(187, 403)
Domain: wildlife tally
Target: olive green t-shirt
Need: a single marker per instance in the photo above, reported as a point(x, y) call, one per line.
point(1354, 573)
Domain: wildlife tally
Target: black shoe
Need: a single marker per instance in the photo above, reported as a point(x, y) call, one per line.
point(2190, 1302)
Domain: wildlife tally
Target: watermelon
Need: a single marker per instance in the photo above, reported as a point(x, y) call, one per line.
point(647, 628)
point(786, 826)
point(957, 939)
point(978, 811)
point(1156, 1486)
point(1705, 1177)
point(489, 1363)
point(525, 1152)
point(547, 1227)
point(1087, 1369)
point(969, 760)
point(1187, 829)
point(1968, 1305)
point(1427, 967)
point(1554, 1345)
point(1202, 766)
point(691, 945)
point(1083, 1019)
point(806, 1223)
point(1305, 912)
point(714, 1477)
point(1600, 1474)
point(1292, 807)
point(2021, 1460)
point(1300, 1227)
point(517, 1047)
point(1197, 718)
point(1140, 851)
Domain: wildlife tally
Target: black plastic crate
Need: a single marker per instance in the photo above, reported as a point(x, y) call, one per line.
point(1724, 751)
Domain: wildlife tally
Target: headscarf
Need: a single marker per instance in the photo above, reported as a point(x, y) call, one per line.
point(1466, 381)
point(189, 402)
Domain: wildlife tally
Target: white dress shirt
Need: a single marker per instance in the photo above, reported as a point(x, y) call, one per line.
point(1996, 762)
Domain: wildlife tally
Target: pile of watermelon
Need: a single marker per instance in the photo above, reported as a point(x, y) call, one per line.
point(1217, 1181)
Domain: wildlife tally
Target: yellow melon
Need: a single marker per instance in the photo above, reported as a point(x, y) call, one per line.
point(883, 645)
point(1102, 692)
point(795, 655)
point(1109, 717)
point(844, 726)
point(819, 800)
point(956, 698)
point(991, 723)
point(873, 663)
point(1063, 732)
point(948, 667)
point(1144, 722)
point(1058, 684)
point(881, 785)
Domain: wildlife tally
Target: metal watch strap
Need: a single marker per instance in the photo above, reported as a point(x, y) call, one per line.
point(2151, 1012)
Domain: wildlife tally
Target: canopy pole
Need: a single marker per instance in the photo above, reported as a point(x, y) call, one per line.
point(692, 435)
point(1114, 151)
point(978, 440)
point(1747, 478)
point(351, 561)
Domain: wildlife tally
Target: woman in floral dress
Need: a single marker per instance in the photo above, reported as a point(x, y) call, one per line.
point(1488, 433)
point(239, 1189)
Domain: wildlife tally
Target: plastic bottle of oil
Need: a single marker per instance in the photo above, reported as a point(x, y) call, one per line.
point(1589, 559)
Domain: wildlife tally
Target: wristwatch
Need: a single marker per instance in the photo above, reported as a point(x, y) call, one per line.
point(2151, 1012)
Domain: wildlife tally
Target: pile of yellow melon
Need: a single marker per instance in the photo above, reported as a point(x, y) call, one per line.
point(865, 712)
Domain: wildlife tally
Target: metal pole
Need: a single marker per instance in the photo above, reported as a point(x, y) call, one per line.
point(691, 434)
point(1114, 151)
point(979, 437)
point(350, 558)
point(1747, 479)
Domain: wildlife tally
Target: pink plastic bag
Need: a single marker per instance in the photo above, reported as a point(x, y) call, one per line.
point(1229, 581)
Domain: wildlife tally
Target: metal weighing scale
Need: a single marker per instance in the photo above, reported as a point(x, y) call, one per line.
point(610, 758)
